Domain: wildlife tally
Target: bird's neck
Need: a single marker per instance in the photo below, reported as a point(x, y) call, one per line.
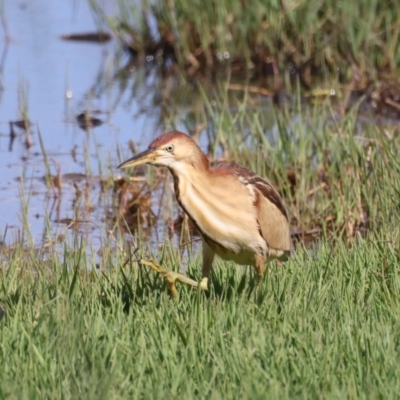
point(194, 172)
point(196, 166)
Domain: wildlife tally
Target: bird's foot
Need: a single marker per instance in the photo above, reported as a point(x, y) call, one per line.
point(171, 277)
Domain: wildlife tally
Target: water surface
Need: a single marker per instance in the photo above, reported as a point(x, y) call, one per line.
point(52, 81)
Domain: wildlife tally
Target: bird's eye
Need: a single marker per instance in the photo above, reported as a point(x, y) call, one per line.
point(170, 148)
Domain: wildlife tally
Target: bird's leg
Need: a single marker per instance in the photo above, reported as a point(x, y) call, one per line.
point(208, 258)
point(259, 267)
point(171, 277)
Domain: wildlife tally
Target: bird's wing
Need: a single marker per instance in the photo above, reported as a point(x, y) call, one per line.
point(271, 213)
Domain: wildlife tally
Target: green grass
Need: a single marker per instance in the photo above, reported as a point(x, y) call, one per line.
point(338, 39)
point(325, 325)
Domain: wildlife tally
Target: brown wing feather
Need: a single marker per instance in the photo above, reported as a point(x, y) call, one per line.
point(272, 216)
point(248, 177)
point(274, 227)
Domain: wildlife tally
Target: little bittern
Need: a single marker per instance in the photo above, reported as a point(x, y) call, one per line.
point(240, 215)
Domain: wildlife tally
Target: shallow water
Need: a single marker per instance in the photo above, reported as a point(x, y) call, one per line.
point(54, 80)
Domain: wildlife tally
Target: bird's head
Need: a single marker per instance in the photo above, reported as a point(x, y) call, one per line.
point(172, 150)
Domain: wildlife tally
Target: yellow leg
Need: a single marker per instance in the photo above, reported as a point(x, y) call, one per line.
point(208, 258)
point(171, 277)
point(259, 266)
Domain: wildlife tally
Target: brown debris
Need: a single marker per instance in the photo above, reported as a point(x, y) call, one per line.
point(183, 225)
point(87, 121)
point(92, 37)
point(134, 203)
point(24, 125)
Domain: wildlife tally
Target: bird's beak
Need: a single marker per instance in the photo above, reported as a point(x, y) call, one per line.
point(144, 157)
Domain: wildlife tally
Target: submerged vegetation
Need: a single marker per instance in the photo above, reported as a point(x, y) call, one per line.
point(85, 322)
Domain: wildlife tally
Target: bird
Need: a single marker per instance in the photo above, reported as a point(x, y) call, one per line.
point(240, 215)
